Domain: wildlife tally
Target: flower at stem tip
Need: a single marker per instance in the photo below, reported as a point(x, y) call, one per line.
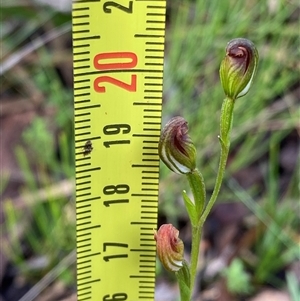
point(176, 148)
point(238, 68)
point(169, 247)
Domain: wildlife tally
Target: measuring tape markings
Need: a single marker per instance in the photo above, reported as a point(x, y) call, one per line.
point(143, 164)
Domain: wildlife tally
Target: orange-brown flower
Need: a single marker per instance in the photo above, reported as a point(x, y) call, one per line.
point(169, 247)
point(238, 67)
point(176, 148)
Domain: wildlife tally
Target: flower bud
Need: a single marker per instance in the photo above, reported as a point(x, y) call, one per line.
point(169, 247)
point(176, 148)
point(238, 67)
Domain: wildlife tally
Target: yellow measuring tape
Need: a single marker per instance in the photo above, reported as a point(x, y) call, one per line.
point(118, 49)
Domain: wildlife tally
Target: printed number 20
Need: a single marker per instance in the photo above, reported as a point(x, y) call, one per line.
point(103, 61)
point(127, 86)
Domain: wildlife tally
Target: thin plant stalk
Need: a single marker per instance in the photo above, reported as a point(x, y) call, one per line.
point(224, 138)
point(196, 239)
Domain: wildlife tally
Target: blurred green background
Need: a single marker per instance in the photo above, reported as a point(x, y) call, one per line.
point(259, 200)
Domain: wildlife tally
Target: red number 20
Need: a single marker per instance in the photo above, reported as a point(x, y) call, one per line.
point(131, 62)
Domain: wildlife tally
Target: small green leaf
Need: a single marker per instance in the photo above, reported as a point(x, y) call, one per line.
point(237, 279)
point(190, 207)
point(197, 186)
point(184, 281)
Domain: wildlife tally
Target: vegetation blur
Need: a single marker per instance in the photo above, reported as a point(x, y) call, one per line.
point(37, 144)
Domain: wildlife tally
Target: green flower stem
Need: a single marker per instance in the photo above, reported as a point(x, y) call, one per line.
point(225, 128)
point(196, 183)
point(198, 189)
point(196, 238)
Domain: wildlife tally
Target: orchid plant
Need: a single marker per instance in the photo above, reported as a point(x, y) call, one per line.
point(178, 152)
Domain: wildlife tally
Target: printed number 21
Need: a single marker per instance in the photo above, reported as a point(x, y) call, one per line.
point(108, 4)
